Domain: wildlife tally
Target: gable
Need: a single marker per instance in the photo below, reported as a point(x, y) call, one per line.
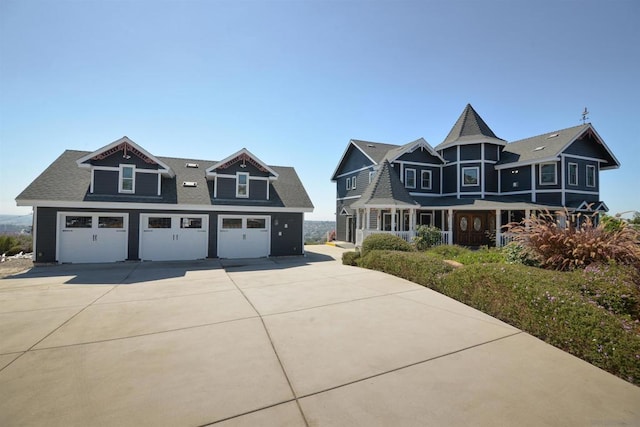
point(420, 155)
point(588, 145)
point(353, 159)
point(124, 151)
point(242, 161)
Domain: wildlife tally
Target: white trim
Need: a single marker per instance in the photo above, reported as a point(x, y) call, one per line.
point(582, 192)
point(238, 175)
point(121, 178)
point(569, 164)
point(478, 161)
point(477, 168)
point(482, 161)
point(106, 168)
point(562, 179)
point(372, 174)
point(533, 182)
point(92, 181)
point(516, 165)
point(81, 161)
point(555, 173)
point(458, 171)
point(592, 159)
point(348, 197)
point(353, 182)
point(587, 176)
point(348, 184)
point(251, 177)
point(34, 233)
point(209, 170)
point(422, 172)
point(406, 162)
point(406, 172)
point(156, 206)
point(159, 185)
point(215, 187)
point(353, 171)
point(486, 139)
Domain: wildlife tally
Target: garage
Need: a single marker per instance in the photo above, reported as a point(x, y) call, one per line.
point(92, 237)
point(244, 236)
point(173, 237)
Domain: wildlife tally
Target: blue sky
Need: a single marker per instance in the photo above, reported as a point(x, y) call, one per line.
point(293, 81)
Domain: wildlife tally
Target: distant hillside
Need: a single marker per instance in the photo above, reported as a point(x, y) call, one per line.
point(15, 223)
point(316, 231)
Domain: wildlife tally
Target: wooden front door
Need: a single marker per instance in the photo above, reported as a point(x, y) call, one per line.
point(471, 228)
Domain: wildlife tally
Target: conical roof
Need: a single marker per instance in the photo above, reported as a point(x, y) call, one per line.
point(385, 190)
point(469, 127)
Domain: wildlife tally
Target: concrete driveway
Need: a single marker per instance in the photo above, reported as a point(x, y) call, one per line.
point(287, 342)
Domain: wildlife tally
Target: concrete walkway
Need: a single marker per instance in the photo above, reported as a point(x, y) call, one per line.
point(286, 342)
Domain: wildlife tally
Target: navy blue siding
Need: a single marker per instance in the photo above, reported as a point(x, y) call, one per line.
point(587, 147)
point(105, 182)
point(46, 234)
point(549, 198)
point(420, 156)
point(522, 176)
point(353, 160)
point(147, 184)
point(116, 159)
point(237, 167)
point(286, 234)
point(449, 179)
point(470, 152)
point(492, 152)
point(582, 174)
point(450, 154)
point(491, 178)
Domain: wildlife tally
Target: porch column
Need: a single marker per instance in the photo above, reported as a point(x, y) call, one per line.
point(498, 228)
point(393, 219)
point(527, 215)
point(412, 219)
point(379, 217)
point(368, 219)
point(450, 226)
point(358, 219)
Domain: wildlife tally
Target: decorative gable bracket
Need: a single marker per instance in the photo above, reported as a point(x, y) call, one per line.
point(244, 157)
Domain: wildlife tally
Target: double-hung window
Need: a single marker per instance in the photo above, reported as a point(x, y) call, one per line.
point(548, 174)
point(410, 178)
point(591, 176)
point(572, 178)
point(353, 182)
point(425, 181)
point(348, 183)
point(127, 179)
point(242, 184)
point(371, 175)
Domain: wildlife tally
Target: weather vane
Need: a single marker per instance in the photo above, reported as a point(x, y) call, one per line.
point(584, 115)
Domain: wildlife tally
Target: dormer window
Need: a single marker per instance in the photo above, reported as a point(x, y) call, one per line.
point(127, 179)
point(242, 185)
point(410, 178)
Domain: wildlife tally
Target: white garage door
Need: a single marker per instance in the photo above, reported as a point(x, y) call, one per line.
point(92, 237)
point(171, 237)
point(243, 236)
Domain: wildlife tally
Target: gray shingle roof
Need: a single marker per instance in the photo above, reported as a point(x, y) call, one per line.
point(385, 189)
point(64, 181)
point(469, 127)
point(541, 146)
point(376, 150)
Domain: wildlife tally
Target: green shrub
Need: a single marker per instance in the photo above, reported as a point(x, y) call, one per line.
point(481, 256)
point(384, 241)
point(418, 267)
point(6, 243)
point(14, 244)
point(561, 245)
point(449, 251)
point(516, 253)
point(426, 237)
point(544, 304)
point(350, 258)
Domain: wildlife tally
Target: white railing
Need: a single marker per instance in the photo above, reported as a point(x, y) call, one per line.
point(445, 236)
point(505, 239)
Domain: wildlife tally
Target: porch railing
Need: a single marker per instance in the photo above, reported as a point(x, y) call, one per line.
point(445, 236)
point(505, 239)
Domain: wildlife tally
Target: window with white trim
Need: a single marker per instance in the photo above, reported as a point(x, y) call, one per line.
point(410, 178)
point(548, 174)
point(572, 171)
point(591, 176)
point(127, 179)
point(353, 182)
point(348, 183)
point(470, 176)
point(425, 180)
point(242, 184)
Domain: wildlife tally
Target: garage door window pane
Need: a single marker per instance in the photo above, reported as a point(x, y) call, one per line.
point(231, 222)
point(159, 222)
point(190, 222)
point(256, 223)
point(110, 222)
point(78, 222)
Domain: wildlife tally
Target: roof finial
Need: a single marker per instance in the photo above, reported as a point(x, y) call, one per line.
point(584, 115)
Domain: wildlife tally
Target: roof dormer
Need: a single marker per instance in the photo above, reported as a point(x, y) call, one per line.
point(243, 162)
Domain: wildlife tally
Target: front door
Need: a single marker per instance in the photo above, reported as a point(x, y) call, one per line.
point(471, 229)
